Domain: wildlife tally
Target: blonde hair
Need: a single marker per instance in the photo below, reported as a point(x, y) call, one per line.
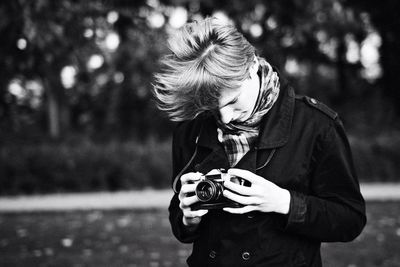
point(206, 57)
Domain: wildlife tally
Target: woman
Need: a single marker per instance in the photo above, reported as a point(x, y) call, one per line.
point(236, 113)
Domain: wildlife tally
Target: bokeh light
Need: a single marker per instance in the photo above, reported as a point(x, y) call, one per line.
point(178, 17)
point(95, 62)
point(353, 50)
point(22, 44)
point(68, 76)
point(15, 88)
point(112, 17)
point(370, 57)
point(112, 41)
point(156, 20)
point(88, 33)
point(256, 30)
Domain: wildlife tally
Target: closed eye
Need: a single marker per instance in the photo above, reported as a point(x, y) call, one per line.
point(233, 101)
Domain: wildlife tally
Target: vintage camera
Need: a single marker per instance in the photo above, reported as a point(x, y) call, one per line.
point(209, 191)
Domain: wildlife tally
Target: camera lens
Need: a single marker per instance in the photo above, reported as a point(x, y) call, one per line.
point(207, 190)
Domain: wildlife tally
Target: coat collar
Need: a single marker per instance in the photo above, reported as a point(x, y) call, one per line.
point(275, 126)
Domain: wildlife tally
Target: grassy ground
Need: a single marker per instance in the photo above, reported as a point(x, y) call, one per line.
point(143, 238)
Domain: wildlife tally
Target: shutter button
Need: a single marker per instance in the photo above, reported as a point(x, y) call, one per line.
point(245, 255)
point(212, 254)
point(313, 101)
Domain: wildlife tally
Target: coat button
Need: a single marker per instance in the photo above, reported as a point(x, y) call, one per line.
point(212, 254)
point(245, 255)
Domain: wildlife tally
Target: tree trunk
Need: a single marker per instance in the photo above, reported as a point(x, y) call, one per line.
point(57, 105)
point(53, 113)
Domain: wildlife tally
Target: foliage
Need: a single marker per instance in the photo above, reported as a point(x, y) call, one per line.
point(113, 94)
point(384, 15)
point(81, 166)
point(309, 41)
point(84, 166)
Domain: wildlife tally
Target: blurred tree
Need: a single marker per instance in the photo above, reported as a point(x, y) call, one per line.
point(94, 59)
point(384, 15)
point(41, 38)
point(9, 29)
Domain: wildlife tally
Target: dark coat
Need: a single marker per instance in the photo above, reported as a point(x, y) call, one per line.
point(311, 158)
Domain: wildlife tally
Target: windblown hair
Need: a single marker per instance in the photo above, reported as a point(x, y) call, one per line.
point(206, 57)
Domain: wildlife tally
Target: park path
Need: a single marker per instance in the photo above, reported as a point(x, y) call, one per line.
point(143, 199)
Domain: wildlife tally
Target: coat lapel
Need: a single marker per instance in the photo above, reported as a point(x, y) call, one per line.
point(277, 124)
point(212, 152)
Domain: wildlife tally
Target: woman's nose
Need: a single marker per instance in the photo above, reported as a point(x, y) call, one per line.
point(226, 115)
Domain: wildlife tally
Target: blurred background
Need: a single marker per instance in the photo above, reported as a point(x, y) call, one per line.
point(76, 109)
point(77, 115)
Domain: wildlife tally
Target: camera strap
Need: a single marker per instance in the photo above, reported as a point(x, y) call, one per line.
point(271, 154)
point(176, 179)
point(178, 176)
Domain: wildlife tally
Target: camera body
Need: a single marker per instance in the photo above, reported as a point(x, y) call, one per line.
point(209, 191)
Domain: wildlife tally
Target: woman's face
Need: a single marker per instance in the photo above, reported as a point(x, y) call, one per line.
point(237, 105)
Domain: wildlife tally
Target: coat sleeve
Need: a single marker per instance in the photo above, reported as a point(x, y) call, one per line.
point(334, 210)
point(181, 232)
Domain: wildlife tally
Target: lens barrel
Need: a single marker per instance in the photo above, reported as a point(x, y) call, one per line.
point(208, 190)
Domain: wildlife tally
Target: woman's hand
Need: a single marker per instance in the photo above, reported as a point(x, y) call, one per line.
point(262, 195)
point(187, 197)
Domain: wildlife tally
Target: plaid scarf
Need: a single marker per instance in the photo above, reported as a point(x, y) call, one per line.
point(238, 137)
